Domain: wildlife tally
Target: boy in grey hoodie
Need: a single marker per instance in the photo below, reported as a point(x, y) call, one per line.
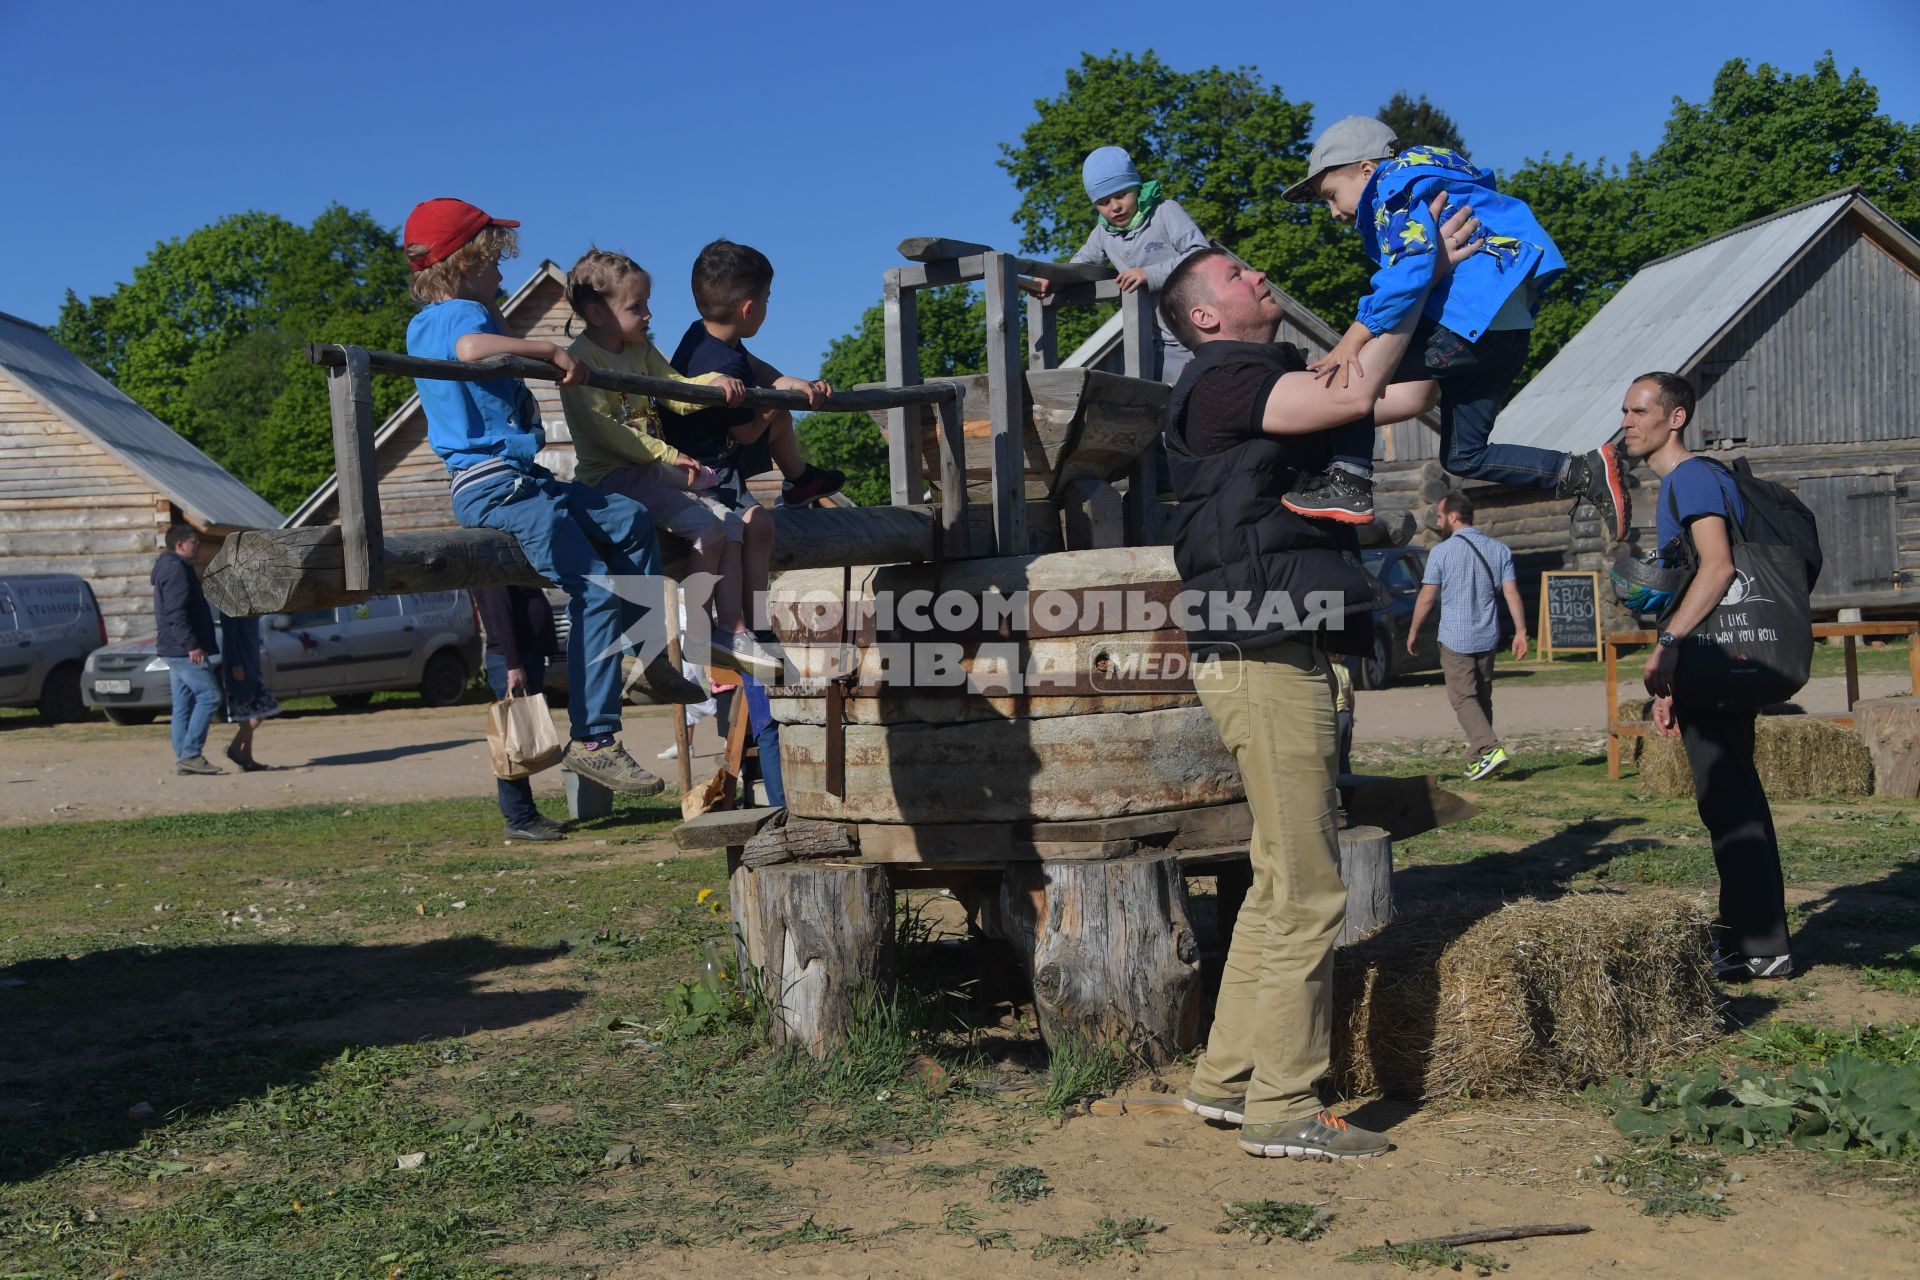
point(1143, 235)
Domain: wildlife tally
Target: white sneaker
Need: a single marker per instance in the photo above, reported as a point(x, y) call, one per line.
point(671, 753)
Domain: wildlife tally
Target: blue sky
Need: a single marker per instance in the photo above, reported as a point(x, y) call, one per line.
point(821, 133)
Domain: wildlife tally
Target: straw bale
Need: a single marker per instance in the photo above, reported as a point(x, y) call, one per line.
point(1530, 999)
point(1800, 757)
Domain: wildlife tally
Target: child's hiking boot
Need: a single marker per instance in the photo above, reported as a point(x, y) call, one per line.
point(1486, 764)
point(1599, 477)
point(1731, 966)
point(1324, 1136)
point(661, 681)
point(742, 651)
point(1335, 494)
point(1228, 1110)
point(609, 765)
point(814, 482)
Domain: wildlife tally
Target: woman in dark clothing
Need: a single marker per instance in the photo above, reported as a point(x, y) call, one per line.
point(518, 623)
point(249, 701)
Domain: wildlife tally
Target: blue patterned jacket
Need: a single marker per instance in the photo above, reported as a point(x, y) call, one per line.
point(1399, 233)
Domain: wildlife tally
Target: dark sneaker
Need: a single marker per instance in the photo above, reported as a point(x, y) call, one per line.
point(1324, 1136)
point(814, 482)
point(534, 831)
point(1733, 967)
point(1231, 1110)
point(542, 820)
point(742, 651)
point(1332, 495)
point(661, 681)
point(196, 764)
point(1600, 478)
point(1486, 764)
point(612, 768)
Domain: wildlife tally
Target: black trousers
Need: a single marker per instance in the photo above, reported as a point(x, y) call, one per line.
point(1733, 805)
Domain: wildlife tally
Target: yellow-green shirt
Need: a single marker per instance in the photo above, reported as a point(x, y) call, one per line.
point(616, 429)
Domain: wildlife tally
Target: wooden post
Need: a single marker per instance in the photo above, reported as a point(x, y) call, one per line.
point(1366, 868)
point(816, 939)
point(1093, 515)
point(1007, 405)
point(1613, 709)
point(682, 739)
point(953, 479)
point(1043, 335)
point(1139, 335)
point(1109, 949)
point(902, 317)
point(350, 391)
point(1853, 670)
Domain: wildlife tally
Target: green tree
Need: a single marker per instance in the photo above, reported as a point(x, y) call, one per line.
point(1420, 123)
point(1588, 211)
point(209, 336)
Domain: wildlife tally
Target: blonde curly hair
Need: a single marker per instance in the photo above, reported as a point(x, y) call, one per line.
point(441, 281)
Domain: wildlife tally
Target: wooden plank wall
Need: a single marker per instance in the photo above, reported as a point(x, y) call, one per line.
point(68, 506)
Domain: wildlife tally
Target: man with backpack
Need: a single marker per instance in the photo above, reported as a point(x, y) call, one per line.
point(1705, 681)
point(1467, 574)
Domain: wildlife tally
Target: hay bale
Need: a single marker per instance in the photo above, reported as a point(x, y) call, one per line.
point(1800, 757)
point(1531, 999)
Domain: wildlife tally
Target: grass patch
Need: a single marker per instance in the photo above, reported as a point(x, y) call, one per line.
point(1079, 1070)
point(1265, 1220)
point(1792, 1043)
point(1419, 1257)
point(1107, 1238)
point(961, 1220)
point(1019, 1184)
point(1898, 973)
point(1667, 1182)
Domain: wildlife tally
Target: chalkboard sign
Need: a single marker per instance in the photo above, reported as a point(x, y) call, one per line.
point(1569, 613)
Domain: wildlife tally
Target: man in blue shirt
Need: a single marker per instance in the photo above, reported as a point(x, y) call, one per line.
point(1467, 574)
point(1751, 938)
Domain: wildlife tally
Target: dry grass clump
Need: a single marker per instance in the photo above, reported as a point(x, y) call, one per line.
point(1800, 757)
point(1532, 998)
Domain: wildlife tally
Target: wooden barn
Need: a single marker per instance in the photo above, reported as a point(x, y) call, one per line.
point(413, 480)
point(89, 480)
point(1801, 333)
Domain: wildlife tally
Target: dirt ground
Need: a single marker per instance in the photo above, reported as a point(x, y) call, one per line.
point(97, 770)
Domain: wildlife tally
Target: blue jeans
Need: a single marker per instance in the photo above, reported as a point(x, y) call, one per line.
point(1474, 378)
point(196, 696)
point(572, 534)
point(515, 794)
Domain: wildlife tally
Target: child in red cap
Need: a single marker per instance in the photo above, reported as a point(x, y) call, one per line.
point(599, 547)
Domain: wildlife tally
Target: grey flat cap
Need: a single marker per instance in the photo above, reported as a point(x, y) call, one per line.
point(1346, 141)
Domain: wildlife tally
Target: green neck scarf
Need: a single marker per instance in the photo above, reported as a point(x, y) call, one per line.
point(1149, 200)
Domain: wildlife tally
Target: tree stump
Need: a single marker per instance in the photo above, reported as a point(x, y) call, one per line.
point(1891, 729)
point(1109, 951)
point(1366, 868)
point(813, 938)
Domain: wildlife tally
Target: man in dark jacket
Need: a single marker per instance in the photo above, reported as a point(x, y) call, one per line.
point(1243, 422)
point(185, 627)
point(518, 623)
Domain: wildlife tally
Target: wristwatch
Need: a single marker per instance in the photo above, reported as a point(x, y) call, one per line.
point(1668, 639)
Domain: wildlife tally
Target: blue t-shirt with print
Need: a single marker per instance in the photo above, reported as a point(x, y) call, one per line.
point(1697, 488)
point(706, 435)
point(471, 422)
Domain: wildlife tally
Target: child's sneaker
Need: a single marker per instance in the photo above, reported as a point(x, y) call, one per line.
point(1319, 1137)
point(611, 767)
point(814, 482)
point(1486, 764)
point(1335, 494)
point(1599, 477)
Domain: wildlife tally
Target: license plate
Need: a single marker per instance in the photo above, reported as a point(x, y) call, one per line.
point(113, 686)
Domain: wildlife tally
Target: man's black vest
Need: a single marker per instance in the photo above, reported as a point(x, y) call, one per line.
point(1233, 535)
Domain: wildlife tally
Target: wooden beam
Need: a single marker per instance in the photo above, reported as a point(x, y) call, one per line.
point(350, 391)
point(1007, 406)
point(939, 249)
point(1140, 335)
point(954, 542)
point(1043, 335)
point(261, 571)
point(902, 316)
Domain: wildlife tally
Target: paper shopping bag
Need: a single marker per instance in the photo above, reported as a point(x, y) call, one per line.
point(521, 736)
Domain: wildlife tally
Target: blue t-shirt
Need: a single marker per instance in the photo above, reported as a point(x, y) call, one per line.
point(706, 435)
point(1469, 589)
point(1698, 488)
point(471, 422)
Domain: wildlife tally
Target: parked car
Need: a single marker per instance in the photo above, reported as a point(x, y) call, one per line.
point(429, 642)
point(49, 622)
point(1398, 570)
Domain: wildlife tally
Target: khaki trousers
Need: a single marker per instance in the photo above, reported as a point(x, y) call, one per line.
point(1470, 690)
point(1274, 1018)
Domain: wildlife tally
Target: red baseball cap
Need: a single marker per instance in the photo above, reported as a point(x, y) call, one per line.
point(443, 225)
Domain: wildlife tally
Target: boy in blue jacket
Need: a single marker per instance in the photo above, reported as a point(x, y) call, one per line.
point(1474, 327)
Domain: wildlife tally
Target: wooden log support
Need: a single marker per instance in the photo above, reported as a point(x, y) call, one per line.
point(1109, 949)
point(955, 534)
point(1138, 337)
point(1043, 335)
point(1092, 515)
point(1007, 406)
point(816, 939)
point(350, 392)
point(1891, 729)
point(902, 336)
point(798, 840)
point(1366, 868)
point(259, 571)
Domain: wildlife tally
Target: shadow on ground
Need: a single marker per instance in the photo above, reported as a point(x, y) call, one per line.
point(190, 1030)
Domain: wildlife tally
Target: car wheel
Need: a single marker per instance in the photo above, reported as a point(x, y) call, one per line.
point(130, 715)
point(60, 700)
point(1377, 667)
point(351, 701)
point(444, 681)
